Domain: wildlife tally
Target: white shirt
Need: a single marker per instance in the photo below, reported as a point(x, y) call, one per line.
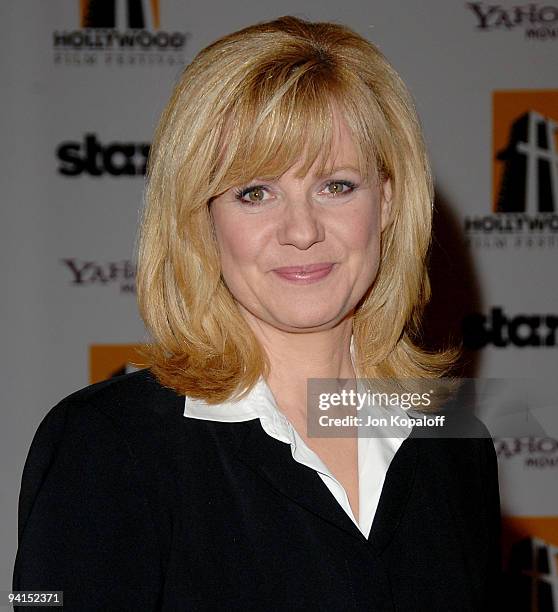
point(374, 453)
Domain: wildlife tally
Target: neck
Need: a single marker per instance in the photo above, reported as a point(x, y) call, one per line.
point(296, 356)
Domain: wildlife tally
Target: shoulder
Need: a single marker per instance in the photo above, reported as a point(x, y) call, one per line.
point(115, 404)
point(464, 445)
point(455, 434)
point(84, 488)
point(108, 434)
point(140, 390)
point(115, 424)
point(130, 416)
point(458, 450)
point(123, 400)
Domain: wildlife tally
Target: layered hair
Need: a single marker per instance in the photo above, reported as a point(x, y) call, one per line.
point(251, 105)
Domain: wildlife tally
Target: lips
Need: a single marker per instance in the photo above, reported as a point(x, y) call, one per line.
point(303, 269)
point(310, 272)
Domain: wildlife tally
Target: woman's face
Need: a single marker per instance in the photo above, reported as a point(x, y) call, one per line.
point(299, 253)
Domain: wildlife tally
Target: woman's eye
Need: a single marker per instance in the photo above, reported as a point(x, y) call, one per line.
point(251, 195)
point(339, 187)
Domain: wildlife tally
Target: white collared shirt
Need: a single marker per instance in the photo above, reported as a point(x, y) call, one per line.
point(374, 453)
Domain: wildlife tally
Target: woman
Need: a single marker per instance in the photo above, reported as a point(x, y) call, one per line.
point(285, 237)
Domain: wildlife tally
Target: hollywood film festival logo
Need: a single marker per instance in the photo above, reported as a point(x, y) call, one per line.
point(118, 33)
point(536, 20)
point(524, 174)
point(533, 569)
point(533, 561)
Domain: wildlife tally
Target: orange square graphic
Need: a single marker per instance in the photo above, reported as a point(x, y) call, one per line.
point(520, 527)
point(525, 126)
point(516, 530)
point(109, 360)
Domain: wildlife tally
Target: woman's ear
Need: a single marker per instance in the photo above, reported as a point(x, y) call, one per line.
point(385, 210)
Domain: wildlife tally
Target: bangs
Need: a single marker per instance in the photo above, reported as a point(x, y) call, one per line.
point(287, 118)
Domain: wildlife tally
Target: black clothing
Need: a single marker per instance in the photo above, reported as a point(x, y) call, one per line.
point(125, 504)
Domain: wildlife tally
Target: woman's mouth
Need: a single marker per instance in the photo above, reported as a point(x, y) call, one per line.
point(304, 274)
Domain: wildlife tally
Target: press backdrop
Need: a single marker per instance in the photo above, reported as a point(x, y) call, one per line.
point(83, 83)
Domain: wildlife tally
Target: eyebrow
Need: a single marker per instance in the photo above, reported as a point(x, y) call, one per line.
point(255, 182)
point(340, 169)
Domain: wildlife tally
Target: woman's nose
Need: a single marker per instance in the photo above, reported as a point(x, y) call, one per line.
point(300, 225)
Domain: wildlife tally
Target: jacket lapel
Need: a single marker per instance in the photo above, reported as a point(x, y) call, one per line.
point(395, 495)
point(272, 460)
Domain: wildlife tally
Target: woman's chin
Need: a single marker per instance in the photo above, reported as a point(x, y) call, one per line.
point(297, 318)
point(299, 322)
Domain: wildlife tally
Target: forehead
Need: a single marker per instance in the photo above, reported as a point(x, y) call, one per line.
point(342, 150)
point(337, 151)
point(296, 140)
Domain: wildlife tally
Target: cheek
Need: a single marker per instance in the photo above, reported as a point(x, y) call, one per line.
point(362, 232)
point(239, 243)
point(362, 243)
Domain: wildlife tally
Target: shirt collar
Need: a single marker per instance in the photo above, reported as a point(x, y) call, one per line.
point(374, 455)
point(259, 403)
point(259, 400)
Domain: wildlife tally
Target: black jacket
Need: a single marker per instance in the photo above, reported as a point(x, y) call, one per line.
point(125, 504)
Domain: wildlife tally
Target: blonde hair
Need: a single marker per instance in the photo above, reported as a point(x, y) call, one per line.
point(246, 107)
